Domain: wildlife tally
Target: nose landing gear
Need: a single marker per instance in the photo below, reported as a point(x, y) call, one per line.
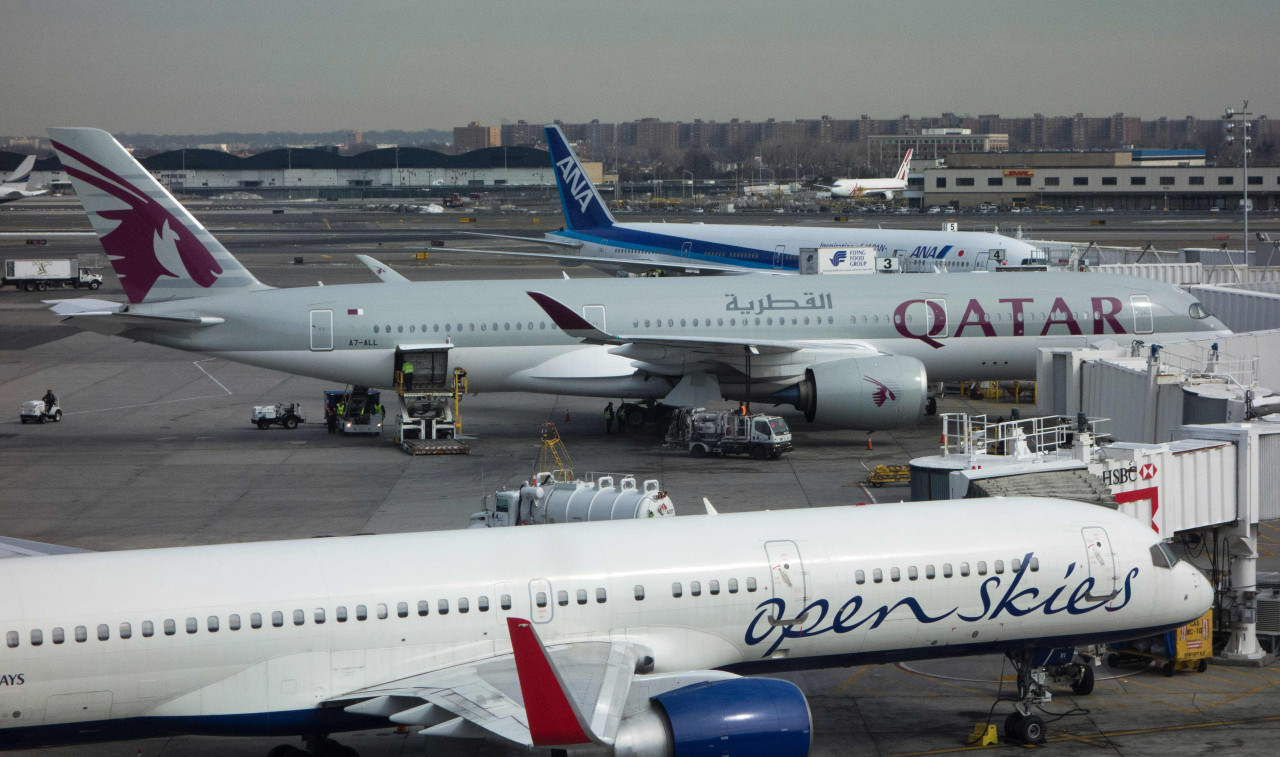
point(1036, 671)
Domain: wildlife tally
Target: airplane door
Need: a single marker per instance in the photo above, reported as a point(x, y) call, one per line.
point(980, 264)
point(541, 600)
point(1142, 319)
point(594, 315)
point(321, 330)
point(786, 572)
point(1101, 561)
point(777, 255)
point(686, 249)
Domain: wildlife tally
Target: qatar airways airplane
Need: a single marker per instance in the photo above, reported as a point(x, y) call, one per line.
point(622, 637)
point(592, 237)
point(852, 351)
point(885, 187)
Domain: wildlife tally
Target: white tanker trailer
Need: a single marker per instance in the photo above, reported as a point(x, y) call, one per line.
point(550, 501)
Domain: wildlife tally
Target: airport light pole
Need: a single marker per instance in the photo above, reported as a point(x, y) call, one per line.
point(1231, 115)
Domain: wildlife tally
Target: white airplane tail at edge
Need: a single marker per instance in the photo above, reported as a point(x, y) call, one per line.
point(157, 248)
point(17, 178)
point(901, 175)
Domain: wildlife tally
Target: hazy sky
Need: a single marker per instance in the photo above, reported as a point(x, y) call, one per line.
point(197, 67)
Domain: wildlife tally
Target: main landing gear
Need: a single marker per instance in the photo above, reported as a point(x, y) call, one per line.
point(316, 746)
point(1035, 673)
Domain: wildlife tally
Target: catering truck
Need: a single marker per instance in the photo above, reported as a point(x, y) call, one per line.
point(40, 274)
point(727, 432)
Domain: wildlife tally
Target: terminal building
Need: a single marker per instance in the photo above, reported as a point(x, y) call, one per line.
point(308, 172)
point(1175, 180)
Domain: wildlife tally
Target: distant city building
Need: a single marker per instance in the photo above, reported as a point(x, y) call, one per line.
point(934, 144)
point(473, 136)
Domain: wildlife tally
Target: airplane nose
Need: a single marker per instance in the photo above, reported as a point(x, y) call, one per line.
point(1200, 592)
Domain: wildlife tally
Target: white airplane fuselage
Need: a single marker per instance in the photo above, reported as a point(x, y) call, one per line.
point(862, 187)
point(253, 638)
point(959, 327)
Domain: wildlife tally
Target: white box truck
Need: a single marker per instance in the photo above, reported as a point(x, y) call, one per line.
point(41, 273)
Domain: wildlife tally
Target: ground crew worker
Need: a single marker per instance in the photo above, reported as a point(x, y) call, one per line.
point(406, 372)
point(342, 409)
point(50, 399)
point(331, 420)
point(608, 418)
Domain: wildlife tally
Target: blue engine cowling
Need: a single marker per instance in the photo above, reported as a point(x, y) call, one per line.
point(743, 717)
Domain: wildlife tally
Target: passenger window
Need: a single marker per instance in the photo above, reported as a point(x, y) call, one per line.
point(299, 617)
point(1035, 564)
point(11, 638)
point(319, 615)
point(639, 592)
point(1015, 564)
point(126, 631)
point(233, 622)
point(213, 623)
point(695, 588)
point(860, 577)
point(82, 634)
point(424, 608)
point(676, 589)
point(582, 596)
point(442, 606)
point(912, 574)
point(999, 565)
point(601, 596)
point(104, 632)
point(255, 620)
point(751, 584)
point(37, 637)
point(982, 567)
point(482, 604)
point(170, 628)
point(58, 636)
point(402, 610)
point(362, 612)
point(340, 614)
point(733, 586)
point(193, 625)
point(928, 572)
point(463, 604)
point(277, 619)
point(562, 598)
point(895, 574)
point(505, 601)
point(382, 611)
point(877, 576)
point(713, 586)
point(540, 600)
point(964, 569)
point(148, 629)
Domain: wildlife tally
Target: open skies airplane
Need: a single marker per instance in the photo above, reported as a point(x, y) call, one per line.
point(852, 351)
point(594, 238)
point(622, 638)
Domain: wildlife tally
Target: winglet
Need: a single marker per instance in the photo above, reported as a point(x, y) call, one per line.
point(554, 718)
point(568, 321)
point(383, 272)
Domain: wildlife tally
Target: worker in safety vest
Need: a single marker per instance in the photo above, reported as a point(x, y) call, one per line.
point(406, 372)
point(608, 418)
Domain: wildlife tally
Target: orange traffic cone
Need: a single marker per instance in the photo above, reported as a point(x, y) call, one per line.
point(566, 415)
point(869, 446)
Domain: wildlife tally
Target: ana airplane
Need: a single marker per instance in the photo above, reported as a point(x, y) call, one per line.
point(594, 238)
point(14, 186)
point(847, 350)
point(883, 187)
point(615, 636)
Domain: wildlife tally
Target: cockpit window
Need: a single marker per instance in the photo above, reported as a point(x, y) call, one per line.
point(1162, 556)
point(1198, 311)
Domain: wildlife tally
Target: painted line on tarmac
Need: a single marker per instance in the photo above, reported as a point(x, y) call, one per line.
point(197, 363)
point(132, 407)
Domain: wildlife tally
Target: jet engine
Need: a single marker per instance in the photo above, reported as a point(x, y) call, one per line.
point(745, 717)
point(888, 195)
point(868, 393)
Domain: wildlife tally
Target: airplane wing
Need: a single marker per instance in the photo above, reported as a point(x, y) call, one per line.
point(532, 240)
point(635, 265)
point(535, 696)
point(11, 547)
point(381, 271)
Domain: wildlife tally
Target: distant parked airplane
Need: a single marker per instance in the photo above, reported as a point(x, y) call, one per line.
point(14, 186)
point(883, 187)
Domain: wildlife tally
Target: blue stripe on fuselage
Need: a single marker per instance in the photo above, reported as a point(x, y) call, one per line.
point(666, 244)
